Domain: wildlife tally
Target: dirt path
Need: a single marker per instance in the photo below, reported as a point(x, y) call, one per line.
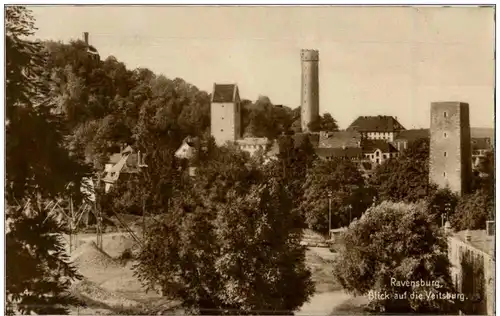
point(324, 303)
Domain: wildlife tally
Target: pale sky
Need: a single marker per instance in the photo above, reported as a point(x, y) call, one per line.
point(373, 60)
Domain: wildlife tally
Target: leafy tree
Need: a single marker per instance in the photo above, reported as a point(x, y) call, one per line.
point(324, 123)
point(295, 158)
point(38, 168)
point(349, 197)
point(396, 242)
point(296, 126)
point(484, 176)
point(328, 123)
point(263, 119)
point(405, 178)
point(473, 210)
point(442, 204)
point(248, 259)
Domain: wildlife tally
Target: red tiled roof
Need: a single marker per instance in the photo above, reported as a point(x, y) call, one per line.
point(379, 123)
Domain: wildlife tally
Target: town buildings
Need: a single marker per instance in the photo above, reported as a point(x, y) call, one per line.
point(379, 127)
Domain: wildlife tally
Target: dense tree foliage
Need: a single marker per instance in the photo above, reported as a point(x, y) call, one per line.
point(442, 204)
point(325, 123)
point(296, 156)
point(396, 241)
point(405, 178)
point(473, 210)
point(39, 168)
point(349, 197)
point(228, 243)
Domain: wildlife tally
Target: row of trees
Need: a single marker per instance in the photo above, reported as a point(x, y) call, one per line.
point(39, 168)
point(400, 239)
point(71, 110)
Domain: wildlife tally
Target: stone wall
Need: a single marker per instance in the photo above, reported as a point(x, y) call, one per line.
point(464, 274)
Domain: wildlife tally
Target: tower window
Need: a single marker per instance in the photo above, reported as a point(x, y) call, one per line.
point(444, 174)
point(445, 134)
point(445, 114)
point(445, 153)
point(221, 130)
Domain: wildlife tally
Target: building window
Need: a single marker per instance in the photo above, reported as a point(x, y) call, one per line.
point(445, 135)
point(445, 153)
point(444, 174)
point(221, 130)
point(445, 114)
point(378, 161)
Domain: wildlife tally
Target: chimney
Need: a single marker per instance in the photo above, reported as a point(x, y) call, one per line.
point(86, 38)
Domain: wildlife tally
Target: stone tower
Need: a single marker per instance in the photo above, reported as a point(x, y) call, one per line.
point(225, 114)
point(450, 146)
point(309, 105)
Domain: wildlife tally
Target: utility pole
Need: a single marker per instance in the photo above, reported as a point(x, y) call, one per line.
point(143, 217)
point(329, 214)
point(71, 221)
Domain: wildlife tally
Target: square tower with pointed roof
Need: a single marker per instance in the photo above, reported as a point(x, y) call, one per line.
point(225, 114)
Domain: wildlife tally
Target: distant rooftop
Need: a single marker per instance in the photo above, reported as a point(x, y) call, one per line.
point(380, 123)
point(339, 139)
point(225, 93)
point(349, 152)
point(253, 141)
point(370, 145)
point(413, 134)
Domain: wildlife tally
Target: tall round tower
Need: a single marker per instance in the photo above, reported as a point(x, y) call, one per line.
point(310, 87)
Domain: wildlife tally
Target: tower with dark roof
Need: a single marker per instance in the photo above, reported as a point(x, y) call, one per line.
point(225, 113)
point(309, 106)
point(450, 146)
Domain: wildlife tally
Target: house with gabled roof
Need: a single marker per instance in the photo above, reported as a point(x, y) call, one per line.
point(122, 165)
point(379, 127)
point(378, 151)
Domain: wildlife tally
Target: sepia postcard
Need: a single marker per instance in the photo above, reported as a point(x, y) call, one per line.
point(249, 159)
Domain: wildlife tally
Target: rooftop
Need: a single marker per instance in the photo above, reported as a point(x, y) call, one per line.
point(339, 139)
point(349, 152)
point(481, 143)
point(370, 145)
point(253, 141)
point(225, 93)
point(413, 134)
point(380, 123)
